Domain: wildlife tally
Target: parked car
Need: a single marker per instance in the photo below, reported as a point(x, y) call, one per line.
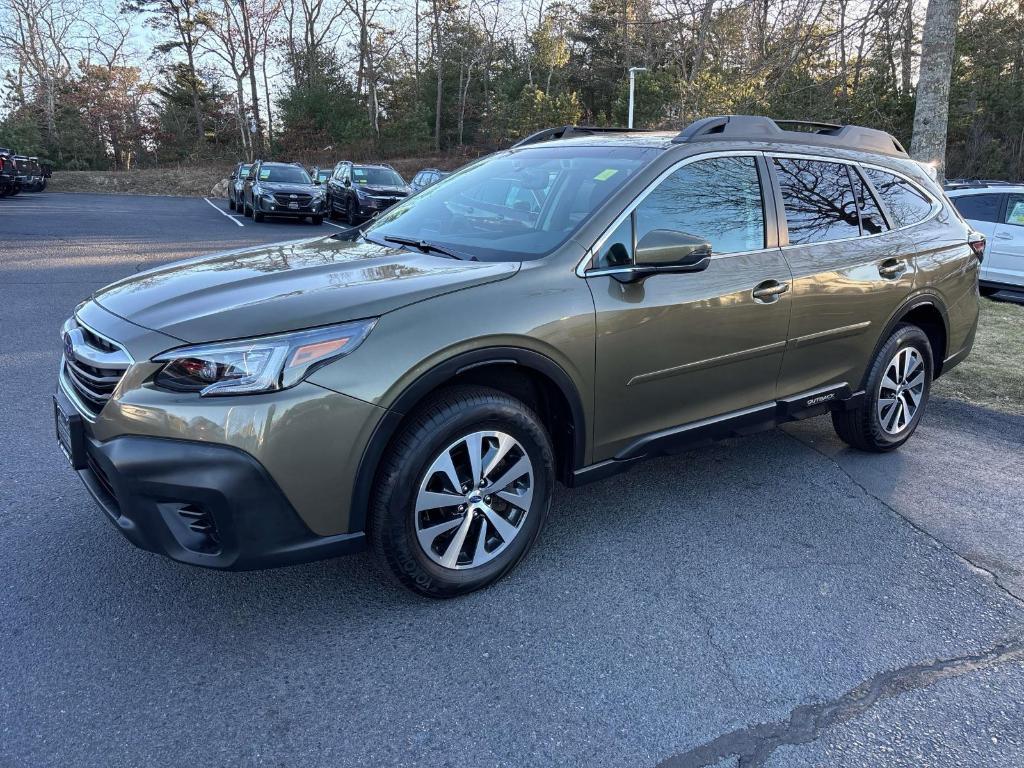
point(235, 182)
point(361, 191)
point(281, 190)
point(25, 179)
point(426, 178)
point(8, 172)
point(34, 179)
point(558, 311)
point(321, 175)
point(996, 209)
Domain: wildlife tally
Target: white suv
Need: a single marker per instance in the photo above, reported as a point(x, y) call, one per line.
point(996, 209)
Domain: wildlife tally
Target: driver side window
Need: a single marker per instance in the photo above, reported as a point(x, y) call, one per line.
point(718, 200)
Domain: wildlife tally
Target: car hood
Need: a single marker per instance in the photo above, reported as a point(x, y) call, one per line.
point(285, 287)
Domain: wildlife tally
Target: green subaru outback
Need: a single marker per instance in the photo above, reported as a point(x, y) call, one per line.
point(554, 312)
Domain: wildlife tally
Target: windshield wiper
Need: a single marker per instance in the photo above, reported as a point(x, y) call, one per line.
point(421, 245)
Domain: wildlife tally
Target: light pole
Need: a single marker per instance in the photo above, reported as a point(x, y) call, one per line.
point(632, 86)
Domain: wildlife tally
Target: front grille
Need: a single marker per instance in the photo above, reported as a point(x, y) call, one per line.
point(284, 198)
point(92, 366)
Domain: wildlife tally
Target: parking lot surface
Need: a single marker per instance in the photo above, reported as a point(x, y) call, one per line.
point(777, 600)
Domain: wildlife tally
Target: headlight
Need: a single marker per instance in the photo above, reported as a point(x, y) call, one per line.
point(265, 364)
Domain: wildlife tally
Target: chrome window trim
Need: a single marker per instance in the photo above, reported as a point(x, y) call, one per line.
point(593, 249)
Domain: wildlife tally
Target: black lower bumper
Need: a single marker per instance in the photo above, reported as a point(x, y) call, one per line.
point(202, 504)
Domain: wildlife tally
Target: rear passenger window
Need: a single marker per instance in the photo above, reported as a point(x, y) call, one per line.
point(905, 203)
point(872, 222)
point(818, 199)
point(979, 207)
point(717, 199)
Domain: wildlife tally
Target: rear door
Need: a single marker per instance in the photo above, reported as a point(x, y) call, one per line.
point(1004, 262)
point(678, 348)
point(851, 269)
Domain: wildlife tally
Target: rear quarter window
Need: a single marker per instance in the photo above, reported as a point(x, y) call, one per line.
point(906, 204)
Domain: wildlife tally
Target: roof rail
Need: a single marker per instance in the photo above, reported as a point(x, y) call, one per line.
point(568, 131)
point(980, 183)
point(726, 127)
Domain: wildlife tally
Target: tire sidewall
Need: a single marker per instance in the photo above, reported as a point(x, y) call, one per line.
point(401, 545)
point(903, 338)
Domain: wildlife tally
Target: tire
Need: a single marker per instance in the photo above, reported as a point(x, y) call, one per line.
point(257, 215)
point(874, 426)
point(246, 210)
point(318, 220)
point(231, 204)
point(409, 473)
point(351, 213)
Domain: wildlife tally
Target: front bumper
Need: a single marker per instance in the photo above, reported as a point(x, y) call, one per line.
point(274, 208)
point(200, 503)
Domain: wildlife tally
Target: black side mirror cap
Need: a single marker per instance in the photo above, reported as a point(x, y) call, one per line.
point(666, 251)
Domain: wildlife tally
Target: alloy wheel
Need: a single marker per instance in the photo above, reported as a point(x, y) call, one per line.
point(473, 500)
point(901, 390)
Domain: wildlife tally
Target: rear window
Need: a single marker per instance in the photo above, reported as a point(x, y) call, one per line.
point(1015, 210)
point(818, 199)
point(906, 204)
point(979, 207)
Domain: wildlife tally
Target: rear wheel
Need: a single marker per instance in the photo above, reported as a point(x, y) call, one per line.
point(896, 393)
point(463, 492)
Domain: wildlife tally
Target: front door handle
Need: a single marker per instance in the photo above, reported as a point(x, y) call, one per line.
point(769, 291)
point(892, 269)
point(1003, 236)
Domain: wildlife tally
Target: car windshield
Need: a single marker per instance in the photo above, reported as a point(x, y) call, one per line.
point(287, 174)
point(377, 177)
point(513, 206)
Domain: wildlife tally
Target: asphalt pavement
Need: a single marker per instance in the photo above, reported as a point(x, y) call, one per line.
point(777, 600)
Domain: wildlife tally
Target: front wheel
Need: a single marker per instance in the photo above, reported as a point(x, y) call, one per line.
point(896, 393)
point(463, 492)
point(352, 213)
point(317, 219)
point(231, 203)
point(257, 215)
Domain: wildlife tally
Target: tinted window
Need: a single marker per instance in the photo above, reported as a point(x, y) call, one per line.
point(377, 177)
point(287, 174)
point(871, 219)
point(979, 207)
point(818, 199)
point(516, 205)
point(718, 200)
point(906, 205)
point(1015, 210)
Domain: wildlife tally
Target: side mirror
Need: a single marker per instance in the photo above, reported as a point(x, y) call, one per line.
point(666, 250)
point(348, 183)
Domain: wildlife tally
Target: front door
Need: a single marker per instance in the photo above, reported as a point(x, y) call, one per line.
point(677, 348)
point(1005, 252)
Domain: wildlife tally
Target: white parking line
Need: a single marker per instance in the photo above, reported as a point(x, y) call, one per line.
point(337, 226)
point(224, 214)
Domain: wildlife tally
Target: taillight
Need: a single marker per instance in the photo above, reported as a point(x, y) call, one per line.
point(977, 242)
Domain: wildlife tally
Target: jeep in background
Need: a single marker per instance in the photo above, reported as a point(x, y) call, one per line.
point(362, 191)
point(558, 311)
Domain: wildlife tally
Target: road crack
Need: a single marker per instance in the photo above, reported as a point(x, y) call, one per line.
point(970, 562)
point(753, 745)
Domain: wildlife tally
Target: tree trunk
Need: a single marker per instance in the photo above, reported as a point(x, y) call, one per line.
point(931, 114)
point(439, 65)
point(908, 49)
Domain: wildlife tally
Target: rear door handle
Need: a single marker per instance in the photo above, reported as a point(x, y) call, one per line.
point(769, 291)
point(892, 269)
